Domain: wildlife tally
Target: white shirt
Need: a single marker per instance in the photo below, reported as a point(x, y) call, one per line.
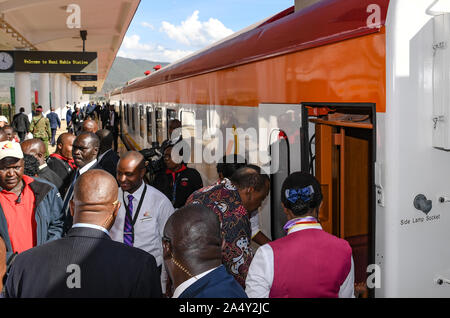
point(186, 284)
point(88, 166)
point(92, 226)
point(149, 226)
point(260, 274)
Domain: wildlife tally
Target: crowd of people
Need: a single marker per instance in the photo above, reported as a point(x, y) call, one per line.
point(83, 222)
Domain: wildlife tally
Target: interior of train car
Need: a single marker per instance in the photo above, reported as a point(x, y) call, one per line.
point(343, 163)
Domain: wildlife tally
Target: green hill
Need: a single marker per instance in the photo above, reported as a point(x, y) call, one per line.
point(125, 69)
point(122, 70)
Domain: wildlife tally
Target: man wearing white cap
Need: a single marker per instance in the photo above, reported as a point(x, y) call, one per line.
point(3, 121)
point(30, 209)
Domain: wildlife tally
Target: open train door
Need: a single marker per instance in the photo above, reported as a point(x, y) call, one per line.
point(344, 163)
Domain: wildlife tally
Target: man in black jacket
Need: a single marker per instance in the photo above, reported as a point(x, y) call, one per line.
point(77, 120)
point(84, 152)
point(107, 158)
point(86, 263)
point(178, 181)
point(61, 162)
point(36, 148)
point(113, 125)
point(21, 124)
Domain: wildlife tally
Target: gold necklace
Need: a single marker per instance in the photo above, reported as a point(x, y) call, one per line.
point(181, 267)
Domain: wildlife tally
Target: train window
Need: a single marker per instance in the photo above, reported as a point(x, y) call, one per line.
point(127, 111)
point(159, 125)
point(141, 121)
point(171, 114)
point(149, 124)
point(133, 116)
point(188, 123)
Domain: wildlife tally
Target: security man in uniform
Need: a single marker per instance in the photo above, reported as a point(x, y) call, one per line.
point(40, 128)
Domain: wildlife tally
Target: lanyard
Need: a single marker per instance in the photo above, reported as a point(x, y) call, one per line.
point(138, 208)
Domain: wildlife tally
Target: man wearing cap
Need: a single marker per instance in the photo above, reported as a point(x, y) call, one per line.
point(40, 128)
point(3, 121)
point(30, 210)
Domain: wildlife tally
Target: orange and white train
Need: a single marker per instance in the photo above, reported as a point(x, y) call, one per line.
point(355, 91)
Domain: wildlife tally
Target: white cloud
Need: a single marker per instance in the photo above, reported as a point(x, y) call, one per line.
point(195, 33)
point(133, 48)
point(148, 25)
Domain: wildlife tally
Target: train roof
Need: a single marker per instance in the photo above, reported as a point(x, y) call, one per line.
point(325, 22)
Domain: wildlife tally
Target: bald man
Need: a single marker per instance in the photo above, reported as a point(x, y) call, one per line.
point(143, 212)
point(86, 263)
point(61, 162)
point(36, 148)
point(90, 126)
point(192, 251)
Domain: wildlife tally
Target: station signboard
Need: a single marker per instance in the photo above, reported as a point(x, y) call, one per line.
point(48, 62)
point(83, 78)
point(89, 90)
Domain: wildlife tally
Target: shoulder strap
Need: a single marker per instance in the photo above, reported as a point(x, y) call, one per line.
point(37, 122)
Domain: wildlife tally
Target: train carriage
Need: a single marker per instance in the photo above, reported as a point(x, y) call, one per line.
point(355, 91)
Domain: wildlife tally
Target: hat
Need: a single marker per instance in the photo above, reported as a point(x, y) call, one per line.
point(3, 118)
point(10, 149)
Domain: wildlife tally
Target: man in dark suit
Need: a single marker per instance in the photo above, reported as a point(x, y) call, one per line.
point(55, 123)
point(86, 263)
point(113, 125)
point(36, 148)
point(77, 120)
point(107, 158)
point(84, 152)
point(21, 124)
point(192, 252)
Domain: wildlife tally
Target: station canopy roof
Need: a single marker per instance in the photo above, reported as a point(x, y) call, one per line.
point(42, 25)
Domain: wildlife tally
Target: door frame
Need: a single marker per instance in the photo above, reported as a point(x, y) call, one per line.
point(305, 160)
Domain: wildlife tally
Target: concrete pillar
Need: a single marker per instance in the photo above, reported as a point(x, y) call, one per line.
point(23, 91)
point(56, 91)
point(74, 93)
point(63, 90)
point(301, 4)
point(44, 91)
point(69, 92)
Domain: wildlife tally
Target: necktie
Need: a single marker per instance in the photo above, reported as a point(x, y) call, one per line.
point(69, 193)
point(128, 227)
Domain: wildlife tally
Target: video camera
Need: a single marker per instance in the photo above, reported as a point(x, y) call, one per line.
point(154, 158)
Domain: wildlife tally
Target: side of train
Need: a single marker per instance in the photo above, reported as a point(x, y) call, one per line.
point(355, 91)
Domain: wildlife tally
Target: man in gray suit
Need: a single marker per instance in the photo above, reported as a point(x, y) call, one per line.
point(86, 263)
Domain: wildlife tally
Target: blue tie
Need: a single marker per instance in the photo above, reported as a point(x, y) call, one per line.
point(128, 226)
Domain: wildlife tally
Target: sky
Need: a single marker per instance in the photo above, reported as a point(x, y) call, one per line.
point(167, 30)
